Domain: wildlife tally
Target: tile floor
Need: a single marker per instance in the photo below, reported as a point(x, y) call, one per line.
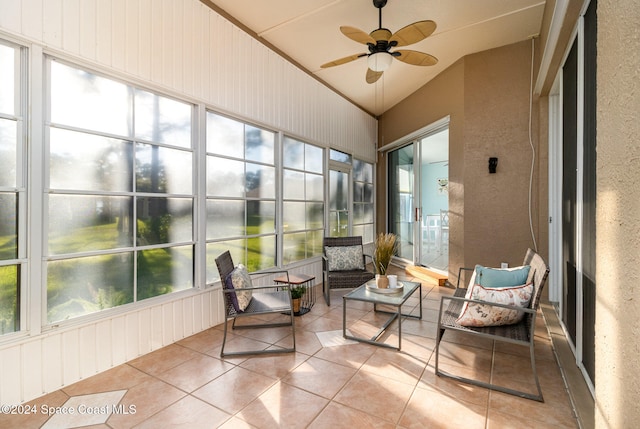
point(329, 382)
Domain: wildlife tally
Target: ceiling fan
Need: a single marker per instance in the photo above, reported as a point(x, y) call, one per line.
point(381, 41)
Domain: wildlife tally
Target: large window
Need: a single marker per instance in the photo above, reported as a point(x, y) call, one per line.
point(363, 200)
point(303, 200)
point(241, 194)
point(12, 187)
point(119, 195)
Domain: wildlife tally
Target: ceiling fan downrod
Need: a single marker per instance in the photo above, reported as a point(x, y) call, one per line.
point(379, 4)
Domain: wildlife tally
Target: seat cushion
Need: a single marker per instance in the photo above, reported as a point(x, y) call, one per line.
point(239, 279)
point(344, 258)
point(479, 314)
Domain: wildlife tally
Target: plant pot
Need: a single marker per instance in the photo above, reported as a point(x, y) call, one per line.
point(296, 305)
point(382, 281)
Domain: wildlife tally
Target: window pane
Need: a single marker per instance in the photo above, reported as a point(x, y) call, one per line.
point(164, 220)
point(9, 293)
point(293, 185)
point(7, 79)
point(358, 213)
point(339, 192)
point(367, 195)
point(313, 159)
point(368, 213)
point(225, 218)
point(339, 224)
point(225, 136)
point(293, 216)
point(261, 217)
point(362, 171)
point(89, 162)
point(160, 169)
point(314, 187)
point(8, 226)
point(261, 253)
point(225, 178)
point(162, 271)
point(88, 101)
point(8, 144)
point(237, 249)
point(259, 145)
point(315, 215)
point(358, 192)
point(162, 120)
point(336, 155)
point(86, 285)
point(260, 181)
point(84, 223)
point(294, 152)
point(314, 243)
point(294, 248)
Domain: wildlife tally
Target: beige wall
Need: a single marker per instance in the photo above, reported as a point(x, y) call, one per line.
point(618, 220)
point(487, 96)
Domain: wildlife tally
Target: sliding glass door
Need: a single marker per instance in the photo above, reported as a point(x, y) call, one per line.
point(418, 204)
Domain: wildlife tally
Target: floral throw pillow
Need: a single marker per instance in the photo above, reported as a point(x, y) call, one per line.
point(478, 315)
point(240, 279)
point(344, 258)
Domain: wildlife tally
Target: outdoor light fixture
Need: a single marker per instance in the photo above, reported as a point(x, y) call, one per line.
point(380, 61)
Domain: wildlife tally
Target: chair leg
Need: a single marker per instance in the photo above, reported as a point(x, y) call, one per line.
point(224, 337)
point(491, 386)
point(326, 291)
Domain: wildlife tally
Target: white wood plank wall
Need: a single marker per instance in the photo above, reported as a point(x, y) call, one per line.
point(184, 48)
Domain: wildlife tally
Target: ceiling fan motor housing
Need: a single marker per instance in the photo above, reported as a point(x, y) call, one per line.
point(379, 3)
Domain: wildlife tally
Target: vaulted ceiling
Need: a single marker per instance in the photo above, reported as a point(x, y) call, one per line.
point(308, 32)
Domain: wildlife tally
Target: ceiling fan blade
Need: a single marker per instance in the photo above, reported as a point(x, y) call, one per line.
point(357, 35)
point(415, 58)
point(373, 76)
point(413, 33)
point(342, 60)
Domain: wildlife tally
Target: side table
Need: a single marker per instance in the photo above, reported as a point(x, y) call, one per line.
point(309, 297)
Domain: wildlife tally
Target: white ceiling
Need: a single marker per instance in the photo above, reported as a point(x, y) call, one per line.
point(308, 32)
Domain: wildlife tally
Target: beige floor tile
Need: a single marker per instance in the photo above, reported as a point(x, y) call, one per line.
point(283, 406)
point(236, 423)
point(430, 408)
point(456, 389)
point(555, 412)
point(203, 341)
point(118, 378)
point(375, 395)
point(336, 416)
point(319, 376)
point(163, 359)
point(353, 355)
point(148, 399)
point(306, 342)
point(31, 415)
point(234, 389)
point(395, 366)
point(274, 366)
point(195, 372)
point(187, 413)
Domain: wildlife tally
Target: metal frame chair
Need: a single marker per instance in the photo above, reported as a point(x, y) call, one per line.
point(342, 279)
point(272, 299)
point(521, 333)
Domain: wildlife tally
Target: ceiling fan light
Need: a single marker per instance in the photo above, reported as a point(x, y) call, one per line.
point(380, 61)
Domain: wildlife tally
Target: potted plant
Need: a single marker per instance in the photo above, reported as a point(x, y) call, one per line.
point(296, 295)
point(385, 248)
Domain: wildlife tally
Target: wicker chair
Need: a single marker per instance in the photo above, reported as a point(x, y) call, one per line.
point(521, 333)
point(274, 299)
point(343, 279)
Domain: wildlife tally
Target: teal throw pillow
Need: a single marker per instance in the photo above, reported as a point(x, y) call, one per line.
point(501, 277)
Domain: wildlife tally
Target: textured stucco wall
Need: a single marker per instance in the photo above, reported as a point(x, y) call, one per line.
point(487, 96)
point(617, 382)
point(496, 124)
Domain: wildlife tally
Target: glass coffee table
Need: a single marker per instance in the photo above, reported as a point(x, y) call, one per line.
point(368, 293)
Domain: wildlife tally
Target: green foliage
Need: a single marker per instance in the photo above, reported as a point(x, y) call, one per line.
point(385, 247)
point(297, 291)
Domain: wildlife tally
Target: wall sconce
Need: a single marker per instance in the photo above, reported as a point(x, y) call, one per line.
point(493, 163)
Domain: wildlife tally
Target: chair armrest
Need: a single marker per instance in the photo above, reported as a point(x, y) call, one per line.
point(279, 287)
point(478, 301)
point(460, 274)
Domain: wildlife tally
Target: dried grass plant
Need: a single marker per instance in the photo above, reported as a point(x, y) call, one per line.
point(385, 248)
